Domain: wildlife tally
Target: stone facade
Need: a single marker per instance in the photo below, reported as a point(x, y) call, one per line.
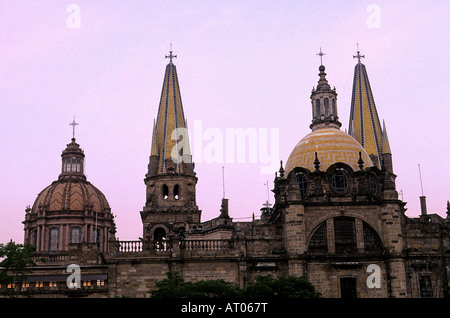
point(336, 220)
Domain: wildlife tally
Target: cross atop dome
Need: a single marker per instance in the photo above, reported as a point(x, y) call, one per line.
point(73, 124)
point(321, 54)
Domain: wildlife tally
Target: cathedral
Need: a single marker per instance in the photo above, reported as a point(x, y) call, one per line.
point(337, 218)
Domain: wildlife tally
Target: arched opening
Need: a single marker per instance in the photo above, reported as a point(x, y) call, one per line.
point(372, 241)
point(339, 181)
point(165, 191)
point(176, 190)
point(327, 107)
point(317, 107)
point(159, 234)
point(302, 183)
point(75, 235)
point(344, 235)
point(318, 241)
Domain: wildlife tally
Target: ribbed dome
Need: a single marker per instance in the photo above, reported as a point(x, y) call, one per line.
point(332, 145)
point(71, 195)
point(71, 192)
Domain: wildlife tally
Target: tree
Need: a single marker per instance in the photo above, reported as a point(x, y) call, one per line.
point(266, 287)
point(281, 287)
point(174, 286)
point(16, 263)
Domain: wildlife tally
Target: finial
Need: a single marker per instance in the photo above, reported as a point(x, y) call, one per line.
point(73, 124)
point(170, 56)
point(316, 162)
point(358, 56)
point(321, 54)
point(281, 169)
point(360, 161)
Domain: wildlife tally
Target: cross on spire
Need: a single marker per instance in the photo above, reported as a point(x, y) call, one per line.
point(358, 56)
point(73, 124)
point(321, 54)
point(170, 56)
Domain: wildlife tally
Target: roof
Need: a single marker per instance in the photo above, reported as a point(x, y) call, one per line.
point(364, 123)
point(331, 145)
point(170, 122)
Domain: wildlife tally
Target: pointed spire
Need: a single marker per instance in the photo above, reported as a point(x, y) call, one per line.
point(169, 136)
point(364, 124)
point(386, 148)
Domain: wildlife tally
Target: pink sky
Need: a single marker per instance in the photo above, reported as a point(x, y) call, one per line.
point(241, 64)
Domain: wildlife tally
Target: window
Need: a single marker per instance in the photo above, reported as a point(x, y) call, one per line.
point(176, 191)
point(327, 107)
point(348, 287)
point(373, 185)
point(35, 238)
point(75, 235)
point(302, 183)
point(318, 242)
point(95, 235)
point(165, 190)
point(372, 241)
point(317, 107)
point(54, 239)
point(333, 105)
point(339, 181)
point(425, 286)
point(100, 282)
point(344, 235)
point(53, 284)
point(160, 234)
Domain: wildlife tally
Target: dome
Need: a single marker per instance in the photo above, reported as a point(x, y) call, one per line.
point(71, 195)
point(332, 145)
point(70, 210)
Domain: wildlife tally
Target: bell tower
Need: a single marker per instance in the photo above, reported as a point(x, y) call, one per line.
point(170, 206)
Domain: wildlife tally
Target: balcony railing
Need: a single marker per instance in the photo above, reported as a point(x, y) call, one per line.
point(168, 245)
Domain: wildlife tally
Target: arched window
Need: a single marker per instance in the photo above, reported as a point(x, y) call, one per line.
point(54, 239)
point(317, 107)
point(75, 235)
point(344, 235)
point(159, 234)
point(372, 242)
point(176, 190)
point(333, 107)
point(339, 181)
point(165, 190)
point(327, 107)
point(302, 183)
point(318, 242)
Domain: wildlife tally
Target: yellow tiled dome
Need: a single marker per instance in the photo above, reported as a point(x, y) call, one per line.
point(332, 145)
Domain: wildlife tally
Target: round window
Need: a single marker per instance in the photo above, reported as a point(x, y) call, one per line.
point(340, 181)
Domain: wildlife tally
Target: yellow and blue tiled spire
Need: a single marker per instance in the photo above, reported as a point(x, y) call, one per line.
point(364, 124)
point(168, 124)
